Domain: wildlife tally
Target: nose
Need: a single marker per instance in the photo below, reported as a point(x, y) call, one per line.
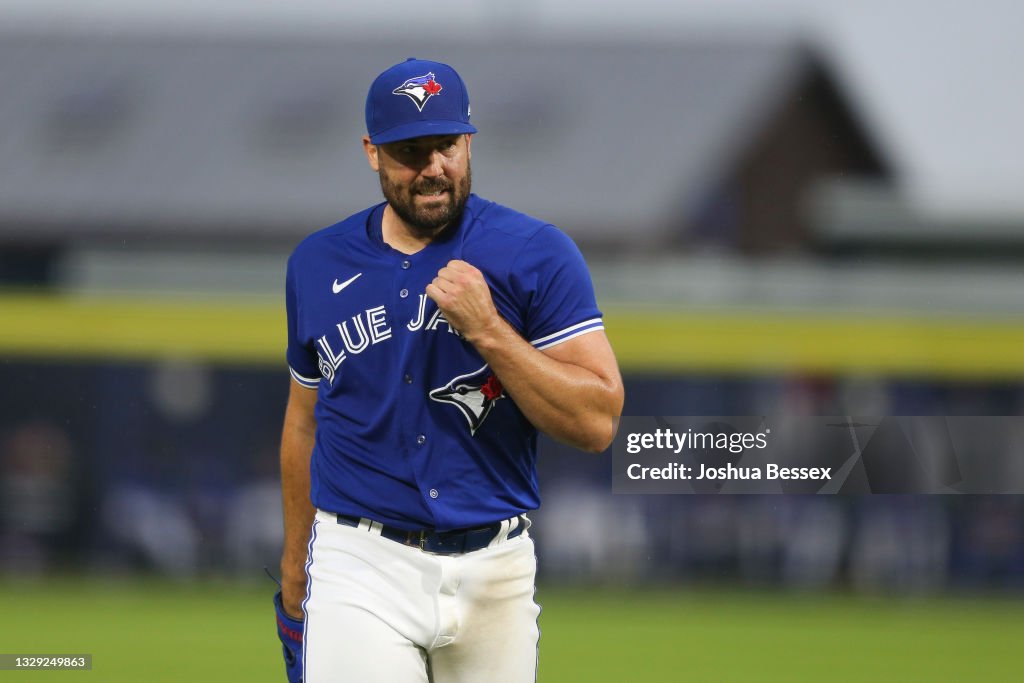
point(433, 166)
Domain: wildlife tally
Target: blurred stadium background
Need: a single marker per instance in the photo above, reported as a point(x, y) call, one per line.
point(804, 207)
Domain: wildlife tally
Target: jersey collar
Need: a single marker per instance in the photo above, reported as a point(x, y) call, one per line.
point(375, 228)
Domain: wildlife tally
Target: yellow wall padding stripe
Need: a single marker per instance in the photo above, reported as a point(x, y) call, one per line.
point(253, 332)
point(758, 343)
point(142, 328)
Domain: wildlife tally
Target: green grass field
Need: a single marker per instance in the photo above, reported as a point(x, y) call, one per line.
point(156, 631)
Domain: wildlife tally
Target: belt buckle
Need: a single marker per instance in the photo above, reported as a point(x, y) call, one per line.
point(411, 540)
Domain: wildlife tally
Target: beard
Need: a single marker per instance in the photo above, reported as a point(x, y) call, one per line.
point(432, 219)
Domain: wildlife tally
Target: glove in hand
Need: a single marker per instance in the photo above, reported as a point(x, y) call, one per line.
point(290, 631)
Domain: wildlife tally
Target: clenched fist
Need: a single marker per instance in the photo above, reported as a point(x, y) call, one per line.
point(462, 294)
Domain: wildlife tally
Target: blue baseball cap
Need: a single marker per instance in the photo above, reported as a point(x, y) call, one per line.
point(415, 98)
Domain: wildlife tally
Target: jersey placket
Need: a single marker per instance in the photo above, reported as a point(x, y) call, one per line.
point(410, 305)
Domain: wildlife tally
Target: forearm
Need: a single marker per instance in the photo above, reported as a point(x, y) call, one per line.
point(296, 446)
point(568, 402)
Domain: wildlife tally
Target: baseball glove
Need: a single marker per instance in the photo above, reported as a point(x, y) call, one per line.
point(290, 631)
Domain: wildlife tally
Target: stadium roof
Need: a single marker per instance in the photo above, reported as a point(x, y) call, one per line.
point(260, 138)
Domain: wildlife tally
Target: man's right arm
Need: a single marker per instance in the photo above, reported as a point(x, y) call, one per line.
point(297, 440)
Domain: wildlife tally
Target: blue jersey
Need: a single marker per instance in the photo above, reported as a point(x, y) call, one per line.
point(413, 430)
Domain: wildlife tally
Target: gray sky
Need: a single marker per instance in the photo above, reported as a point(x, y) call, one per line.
point(938, 80)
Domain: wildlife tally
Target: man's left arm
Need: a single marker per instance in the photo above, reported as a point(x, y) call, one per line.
point(572, 392)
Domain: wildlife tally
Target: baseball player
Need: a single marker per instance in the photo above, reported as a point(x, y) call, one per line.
point(430, 337)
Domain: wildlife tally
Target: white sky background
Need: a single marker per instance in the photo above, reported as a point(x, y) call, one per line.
point(940, 81)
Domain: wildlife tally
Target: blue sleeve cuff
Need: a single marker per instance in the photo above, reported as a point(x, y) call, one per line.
point(571, 332)
point(308, 382)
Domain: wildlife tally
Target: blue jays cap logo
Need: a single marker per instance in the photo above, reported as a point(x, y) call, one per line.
point(473, 394)
point(419, 89)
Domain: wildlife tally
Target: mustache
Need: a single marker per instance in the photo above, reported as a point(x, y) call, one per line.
point(428, 187)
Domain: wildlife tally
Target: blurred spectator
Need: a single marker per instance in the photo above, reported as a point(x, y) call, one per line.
point(151, 529)
point(901, 544)
point(991, 547)
point(586, 535)
point(702, 536)
point(761, 537)
point(252, 528)
point(37, 497)
point(814, 541)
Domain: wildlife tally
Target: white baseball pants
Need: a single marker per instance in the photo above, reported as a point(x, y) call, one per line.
point(380, 611)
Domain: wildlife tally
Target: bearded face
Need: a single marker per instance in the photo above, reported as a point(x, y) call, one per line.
point(430, 205)
point(426, 181)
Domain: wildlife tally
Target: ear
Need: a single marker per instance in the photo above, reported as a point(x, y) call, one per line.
point(469, 145)
point(371, 150)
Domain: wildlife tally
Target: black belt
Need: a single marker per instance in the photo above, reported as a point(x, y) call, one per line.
point(443, 542)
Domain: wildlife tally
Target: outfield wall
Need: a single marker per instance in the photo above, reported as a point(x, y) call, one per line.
point(170, 466)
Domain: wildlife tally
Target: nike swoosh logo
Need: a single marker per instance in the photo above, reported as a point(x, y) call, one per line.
point(337, 288)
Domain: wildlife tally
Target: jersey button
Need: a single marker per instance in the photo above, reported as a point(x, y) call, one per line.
point(406, 264)
point(434, 493)
point(404, 293)
point(408, 379)
point(421, 439)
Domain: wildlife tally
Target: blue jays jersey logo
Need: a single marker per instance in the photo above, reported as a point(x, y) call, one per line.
point(473, 394)
point(419, 89)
